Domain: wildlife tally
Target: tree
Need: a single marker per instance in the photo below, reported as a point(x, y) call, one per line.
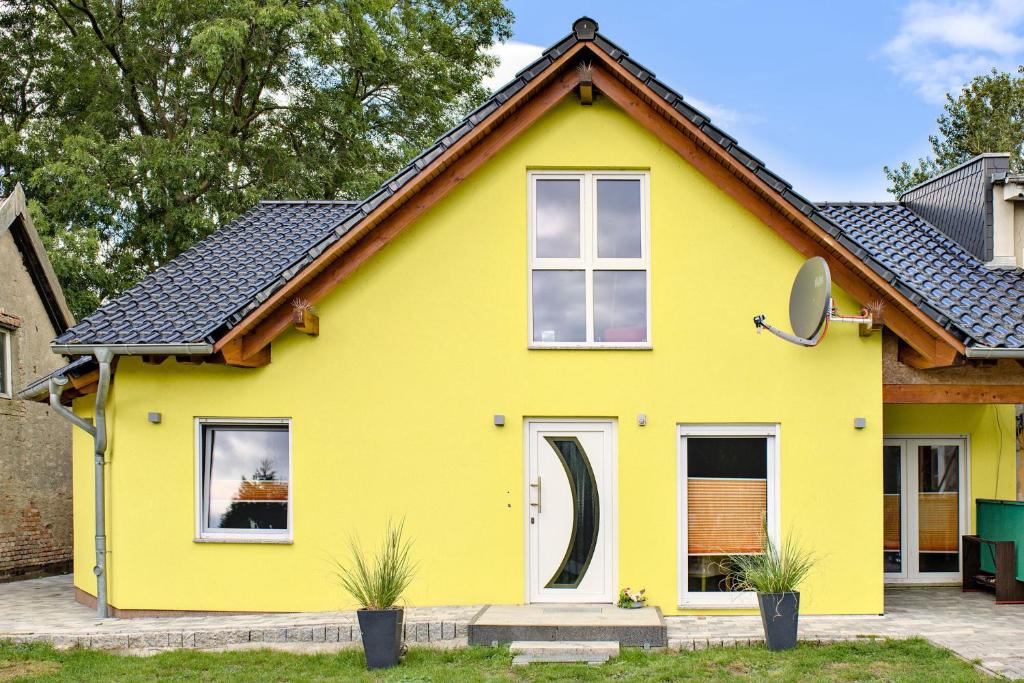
point(986, 116)
point(139, 126)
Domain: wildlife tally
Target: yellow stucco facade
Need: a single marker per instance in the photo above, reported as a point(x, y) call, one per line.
point(392, 404)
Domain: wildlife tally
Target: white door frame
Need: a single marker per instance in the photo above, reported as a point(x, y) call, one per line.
point(909, 504)
point(609, 506)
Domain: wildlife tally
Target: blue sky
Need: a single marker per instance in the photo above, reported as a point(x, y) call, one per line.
point(826, 93)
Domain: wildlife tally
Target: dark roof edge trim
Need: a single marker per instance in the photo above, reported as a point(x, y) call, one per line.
point(13, 208)
point(958, 167)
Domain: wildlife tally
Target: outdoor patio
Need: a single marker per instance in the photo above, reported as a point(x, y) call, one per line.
point(44, 609)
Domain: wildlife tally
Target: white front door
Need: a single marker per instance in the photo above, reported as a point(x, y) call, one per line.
point(570, 511)
point(925, 506)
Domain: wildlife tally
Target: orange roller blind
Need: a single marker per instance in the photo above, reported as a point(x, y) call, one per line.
point(725, 516)
point(938, 521)
point(892, 521)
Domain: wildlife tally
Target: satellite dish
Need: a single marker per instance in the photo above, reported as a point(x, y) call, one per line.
point(810, 300)
point(811, 307)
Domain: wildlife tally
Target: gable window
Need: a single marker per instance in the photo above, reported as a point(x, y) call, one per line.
point(6, 365)
point(589, 261)
point(244, 479)
point(728, 493)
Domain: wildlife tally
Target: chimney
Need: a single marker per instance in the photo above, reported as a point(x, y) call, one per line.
point(1008, 220)
point(962, 202)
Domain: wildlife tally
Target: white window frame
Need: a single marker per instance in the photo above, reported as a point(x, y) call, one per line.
point(737, 600)
point(6, 354)
point(204, 535)
point(909, 504)
point(588, 260)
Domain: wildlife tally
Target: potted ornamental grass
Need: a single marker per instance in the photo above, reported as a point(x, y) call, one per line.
point(377, 586)
point(774, 574)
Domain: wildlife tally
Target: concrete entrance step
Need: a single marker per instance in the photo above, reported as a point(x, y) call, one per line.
point(498, 624)
point(566, 651)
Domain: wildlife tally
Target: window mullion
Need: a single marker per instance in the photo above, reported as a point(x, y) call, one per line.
point(590, 239)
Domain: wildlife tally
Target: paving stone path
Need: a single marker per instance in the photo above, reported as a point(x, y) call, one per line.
point(970, 624)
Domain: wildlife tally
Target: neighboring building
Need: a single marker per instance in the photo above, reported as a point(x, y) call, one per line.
point(535, 343)
point(35, 443)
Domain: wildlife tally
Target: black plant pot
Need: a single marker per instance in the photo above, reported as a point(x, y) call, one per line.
point(779, 613)
point(382, 636)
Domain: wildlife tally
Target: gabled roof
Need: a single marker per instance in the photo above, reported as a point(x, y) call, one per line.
point(947, 281)
point(197, 296)
point(332, 242)
point(14, 216)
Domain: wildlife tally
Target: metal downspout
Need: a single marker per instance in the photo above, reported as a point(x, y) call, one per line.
point(99, 435)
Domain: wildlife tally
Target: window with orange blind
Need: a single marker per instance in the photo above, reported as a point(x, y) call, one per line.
point(726, 506)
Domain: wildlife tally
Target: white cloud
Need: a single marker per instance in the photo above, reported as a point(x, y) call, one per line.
point(720, 114)
point(941, 45)
point(512, 57)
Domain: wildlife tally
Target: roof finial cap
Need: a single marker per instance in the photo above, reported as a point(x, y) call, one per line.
point(584, 28)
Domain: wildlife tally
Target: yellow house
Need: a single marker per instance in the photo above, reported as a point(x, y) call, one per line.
point(535, 344)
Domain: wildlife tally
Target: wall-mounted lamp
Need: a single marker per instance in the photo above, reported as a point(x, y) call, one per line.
point(641, 419)
point(499, 420)
point(155, 418)
point(860, 422)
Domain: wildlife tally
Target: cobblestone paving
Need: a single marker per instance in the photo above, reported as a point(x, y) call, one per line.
point(970, 624)
point(45, 610)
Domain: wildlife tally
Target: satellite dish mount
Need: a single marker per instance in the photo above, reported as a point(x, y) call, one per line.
point(811, 308)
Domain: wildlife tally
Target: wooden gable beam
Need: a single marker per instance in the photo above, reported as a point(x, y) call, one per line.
point(354, 249)
point(941, 357)
point(235, 353)
point(924, 335)
point(952, 393)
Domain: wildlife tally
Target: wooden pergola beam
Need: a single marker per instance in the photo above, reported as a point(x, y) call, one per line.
point(952, 393)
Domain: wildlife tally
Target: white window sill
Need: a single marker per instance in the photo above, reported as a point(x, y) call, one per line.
point(591, 347)
point(284, 540)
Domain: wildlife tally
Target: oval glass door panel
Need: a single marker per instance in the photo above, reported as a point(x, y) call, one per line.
point(585, 512)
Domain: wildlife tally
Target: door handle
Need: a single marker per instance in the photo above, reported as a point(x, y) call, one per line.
point(536, 486)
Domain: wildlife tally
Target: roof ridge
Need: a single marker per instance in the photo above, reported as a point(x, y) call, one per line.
point(345, 202)
point(826, 204)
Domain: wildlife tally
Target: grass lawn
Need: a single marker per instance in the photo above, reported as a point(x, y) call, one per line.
point(909, 660)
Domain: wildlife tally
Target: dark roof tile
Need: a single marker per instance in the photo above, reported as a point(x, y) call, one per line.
point(948, 283)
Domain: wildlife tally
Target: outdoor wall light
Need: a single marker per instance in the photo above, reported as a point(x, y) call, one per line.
point(860, 422)
point(641, 419)
point(499, 420)
point(155, 418)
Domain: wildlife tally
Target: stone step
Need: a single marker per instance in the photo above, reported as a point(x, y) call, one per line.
point(497, 624)
point(564, 651)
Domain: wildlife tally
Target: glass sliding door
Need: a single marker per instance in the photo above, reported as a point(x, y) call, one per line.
point(924, 509)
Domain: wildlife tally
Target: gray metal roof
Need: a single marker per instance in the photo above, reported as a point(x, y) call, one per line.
point(191, 298)
point(212, 287)
point(949, 283)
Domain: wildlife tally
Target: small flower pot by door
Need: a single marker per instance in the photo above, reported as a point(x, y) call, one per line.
point(779, 613)
point(382, 636)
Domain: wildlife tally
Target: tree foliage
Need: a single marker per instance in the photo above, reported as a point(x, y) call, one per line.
point(139, 126)
point(986, 116)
